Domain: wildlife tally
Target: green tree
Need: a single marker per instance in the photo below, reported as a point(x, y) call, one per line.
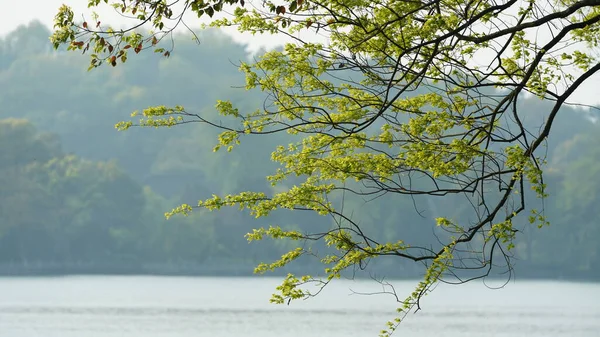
point(396, 100)
point(57, 207)
point(21, 145)
point(575, 215)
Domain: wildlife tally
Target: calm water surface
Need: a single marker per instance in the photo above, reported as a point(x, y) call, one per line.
point(238, 307)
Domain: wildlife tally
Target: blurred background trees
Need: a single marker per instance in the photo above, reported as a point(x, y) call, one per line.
point(75, 195)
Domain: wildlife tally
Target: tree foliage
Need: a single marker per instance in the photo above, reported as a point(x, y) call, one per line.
point(396, 101)
point(59, 210)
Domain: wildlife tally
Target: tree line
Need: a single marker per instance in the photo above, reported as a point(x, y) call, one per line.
point(77, 196)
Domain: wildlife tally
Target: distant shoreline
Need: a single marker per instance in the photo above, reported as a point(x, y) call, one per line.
point(245, 270)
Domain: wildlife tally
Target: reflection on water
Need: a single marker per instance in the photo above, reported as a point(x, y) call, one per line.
point(185, 307)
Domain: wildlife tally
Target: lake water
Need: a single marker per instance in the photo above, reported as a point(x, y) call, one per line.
point(238, 307)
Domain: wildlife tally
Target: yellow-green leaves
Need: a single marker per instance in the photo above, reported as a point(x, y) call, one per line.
point(227, 138)
point(439, 158)
point(503, 231)
point(539, 218)
point(284, 260)
point(433, 275)
point(526, 166)
point(64, 31)
point(225, 108)
point(183, 209)
point(289, 290)
point(157, 116)
point(274, 233)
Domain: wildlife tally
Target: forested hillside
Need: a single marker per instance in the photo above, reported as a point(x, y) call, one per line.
point(78, 196)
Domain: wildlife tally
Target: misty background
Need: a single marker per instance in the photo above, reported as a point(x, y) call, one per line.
point(79, 197)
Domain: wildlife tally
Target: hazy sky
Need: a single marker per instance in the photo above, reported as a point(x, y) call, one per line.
point(16, 12)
